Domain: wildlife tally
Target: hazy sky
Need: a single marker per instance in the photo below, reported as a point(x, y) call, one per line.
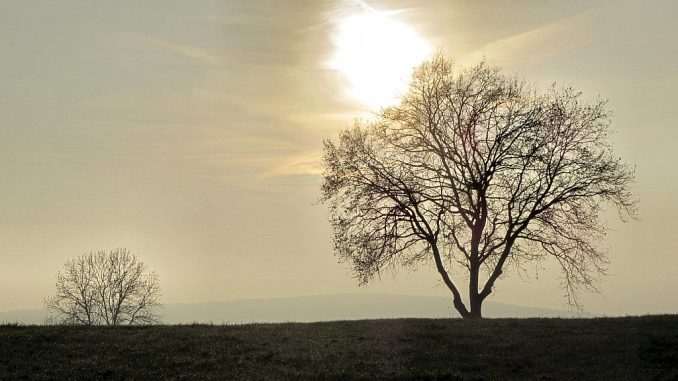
point(190, 132)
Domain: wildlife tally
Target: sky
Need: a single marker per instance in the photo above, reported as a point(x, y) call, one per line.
point(191, 133)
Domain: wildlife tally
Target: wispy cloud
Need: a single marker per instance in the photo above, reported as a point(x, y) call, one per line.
point(308, 164)
point(187, 51)
point(540, 44)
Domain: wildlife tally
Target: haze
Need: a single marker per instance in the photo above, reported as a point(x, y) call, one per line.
point(190, 132)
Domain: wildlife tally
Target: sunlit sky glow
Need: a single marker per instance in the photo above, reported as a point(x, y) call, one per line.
point(375, 53)
point(191, 132)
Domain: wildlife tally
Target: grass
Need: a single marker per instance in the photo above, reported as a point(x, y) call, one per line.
point(630, 348)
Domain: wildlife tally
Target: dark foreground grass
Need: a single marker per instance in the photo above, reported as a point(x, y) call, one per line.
point(634, 348)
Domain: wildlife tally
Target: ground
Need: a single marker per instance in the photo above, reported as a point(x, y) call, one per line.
point(630, 348)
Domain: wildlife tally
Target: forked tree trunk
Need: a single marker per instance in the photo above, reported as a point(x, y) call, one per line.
point(474, 310)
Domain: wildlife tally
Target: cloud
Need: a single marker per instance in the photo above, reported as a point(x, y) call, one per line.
point(542, 43)
point(187, 51)
point(308, 164)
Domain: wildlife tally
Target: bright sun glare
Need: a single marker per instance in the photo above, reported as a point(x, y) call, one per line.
point(376, 53)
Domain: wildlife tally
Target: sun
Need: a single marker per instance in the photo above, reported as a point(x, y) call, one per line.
point(375, 53)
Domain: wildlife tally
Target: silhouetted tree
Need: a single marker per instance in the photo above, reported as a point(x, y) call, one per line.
point(105, 288)
point(476, 169)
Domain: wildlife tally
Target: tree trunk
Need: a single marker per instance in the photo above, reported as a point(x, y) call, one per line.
point(461, 308)
point(458, 302)
point(475, 299)
point(476, 303)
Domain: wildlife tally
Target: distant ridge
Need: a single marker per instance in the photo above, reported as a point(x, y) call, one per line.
point(338, 307)
point(315, 308)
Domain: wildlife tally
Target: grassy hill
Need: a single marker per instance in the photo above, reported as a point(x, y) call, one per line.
point(630, 348)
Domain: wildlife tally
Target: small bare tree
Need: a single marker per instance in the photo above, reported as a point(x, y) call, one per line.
point(476, 169)
point(105, 288)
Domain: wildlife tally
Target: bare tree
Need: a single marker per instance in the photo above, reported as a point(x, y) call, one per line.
point(476, 169)
point(106, 288)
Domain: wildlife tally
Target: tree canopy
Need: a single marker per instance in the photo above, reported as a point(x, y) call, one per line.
point(105, 288)
point(478, 170)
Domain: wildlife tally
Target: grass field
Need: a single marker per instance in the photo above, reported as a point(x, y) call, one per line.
point(633, 348)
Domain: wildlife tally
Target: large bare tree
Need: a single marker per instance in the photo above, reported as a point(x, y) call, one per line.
point(476, 169)
point(105, 288)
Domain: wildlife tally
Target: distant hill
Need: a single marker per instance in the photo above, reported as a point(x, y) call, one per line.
point(337, 307)
point(314, 308)
point(32, 316)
